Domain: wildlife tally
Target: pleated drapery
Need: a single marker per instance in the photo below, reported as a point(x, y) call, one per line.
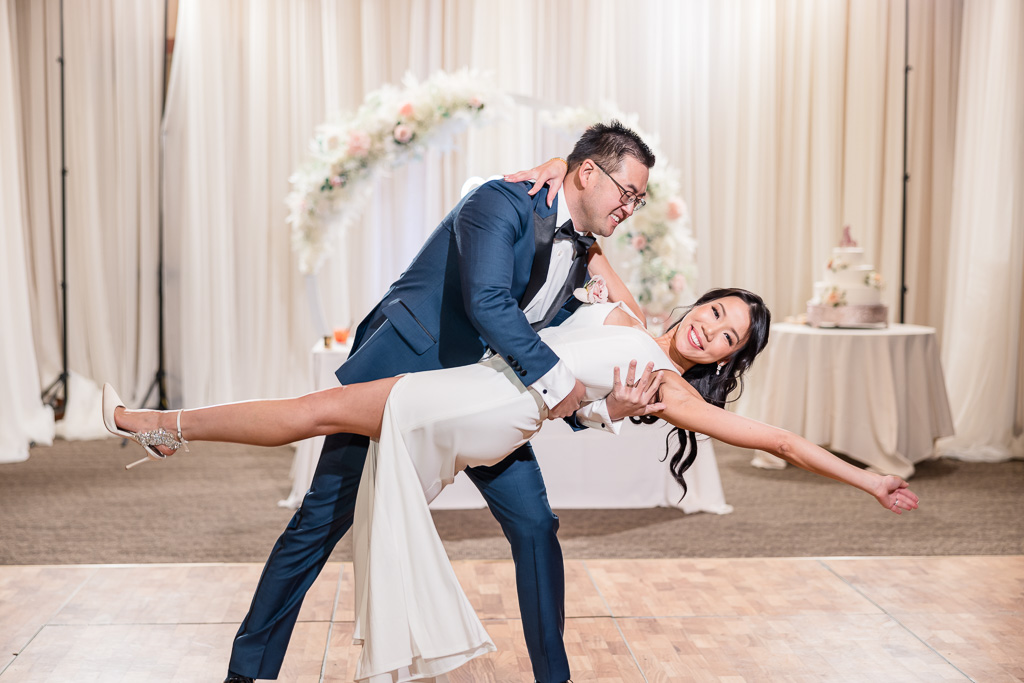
point(785, 118)
point(23, 417)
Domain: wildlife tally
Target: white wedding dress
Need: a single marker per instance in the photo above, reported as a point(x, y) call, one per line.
point(411, 615)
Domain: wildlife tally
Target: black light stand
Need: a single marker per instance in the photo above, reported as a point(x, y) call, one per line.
point(906, 176)
point(56, 395)
point(159, 383)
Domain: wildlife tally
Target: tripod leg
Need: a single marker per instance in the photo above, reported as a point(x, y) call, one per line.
point(158, 386)
point(56, 395)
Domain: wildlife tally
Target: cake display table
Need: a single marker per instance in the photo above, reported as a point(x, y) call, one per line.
point(875, 395)
point(590, 469)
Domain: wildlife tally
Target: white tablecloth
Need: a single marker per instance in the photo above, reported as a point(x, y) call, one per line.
point(876, 395)
point(587, 469)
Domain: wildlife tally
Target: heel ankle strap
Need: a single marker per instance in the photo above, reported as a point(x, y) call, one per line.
point(180, 437)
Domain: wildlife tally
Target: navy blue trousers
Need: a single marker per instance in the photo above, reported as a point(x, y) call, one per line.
point(514, 491)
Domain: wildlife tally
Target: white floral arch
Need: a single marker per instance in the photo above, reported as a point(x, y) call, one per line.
point(655, 253)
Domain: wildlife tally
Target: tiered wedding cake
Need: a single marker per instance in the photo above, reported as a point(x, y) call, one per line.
point(850, 295)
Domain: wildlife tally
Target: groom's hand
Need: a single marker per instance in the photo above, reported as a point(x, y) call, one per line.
point(570, 404)
point(634, 398)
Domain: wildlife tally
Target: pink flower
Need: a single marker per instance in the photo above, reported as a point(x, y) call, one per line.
point(677, 283)
point(358, 143)
point(594, 292)
point(475, 102)
point(407, 110)
point(835, 297)
point(676, 208)
point(403, 133)
point(337, 181)
point(639, 241)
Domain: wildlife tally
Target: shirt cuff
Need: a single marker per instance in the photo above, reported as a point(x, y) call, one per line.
point(555, 384)
point(595, 416)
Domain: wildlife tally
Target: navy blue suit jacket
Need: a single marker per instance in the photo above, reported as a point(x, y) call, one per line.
point(461, 293)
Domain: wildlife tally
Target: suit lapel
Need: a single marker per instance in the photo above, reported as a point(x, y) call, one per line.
point(577, 276)
point(543, 236)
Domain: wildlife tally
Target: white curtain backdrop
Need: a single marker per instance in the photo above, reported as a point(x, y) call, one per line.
point(113, 72)
point(250, 82)
point(983, 323)
point(785, 116)
point(23, 417)
point(247, 87)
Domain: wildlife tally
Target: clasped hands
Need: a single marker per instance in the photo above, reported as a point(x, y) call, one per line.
point(632, 398)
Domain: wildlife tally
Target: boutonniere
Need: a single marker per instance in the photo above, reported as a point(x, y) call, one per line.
point(595, 291)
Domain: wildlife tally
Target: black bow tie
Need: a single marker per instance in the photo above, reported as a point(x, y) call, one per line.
point(581, 242)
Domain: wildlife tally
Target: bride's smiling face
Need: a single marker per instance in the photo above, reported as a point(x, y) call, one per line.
point(712, 332)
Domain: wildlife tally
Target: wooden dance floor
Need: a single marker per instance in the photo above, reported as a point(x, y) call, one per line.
point(725, 620)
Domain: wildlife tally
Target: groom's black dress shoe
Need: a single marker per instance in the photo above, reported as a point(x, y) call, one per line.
point(235, 678)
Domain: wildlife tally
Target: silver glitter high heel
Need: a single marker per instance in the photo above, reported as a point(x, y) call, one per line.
point(148, 440)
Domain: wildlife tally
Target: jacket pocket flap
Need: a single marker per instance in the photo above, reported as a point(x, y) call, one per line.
point(408, 327)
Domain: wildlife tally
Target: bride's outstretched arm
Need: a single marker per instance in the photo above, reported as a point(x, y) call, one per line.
point(685, 408)
point(354, 409)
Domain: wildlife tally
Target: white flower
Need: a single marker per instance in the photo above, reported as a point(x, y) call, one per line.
point(403, 133)
point(678, 283)
point(676, 209)
point(358, 143)
point(835, 297)
point(595, 291)
point(347, 153)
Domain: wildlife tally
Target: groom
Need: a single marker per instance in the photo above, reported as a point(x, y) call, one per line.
point(498, 268)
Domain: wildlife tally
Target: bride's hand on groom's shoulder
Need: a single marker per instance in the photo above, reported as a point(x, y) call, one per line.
point(550, 173)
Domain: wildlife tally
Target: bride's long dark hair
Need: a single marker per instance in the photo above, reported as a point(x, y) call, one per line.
point(713, 386)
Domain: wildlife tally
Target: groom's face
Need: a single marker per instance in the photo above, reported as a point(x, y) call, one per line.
point(603, 205)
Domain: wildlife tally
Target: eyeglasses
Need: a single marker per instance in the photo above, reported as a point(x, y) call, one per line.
point(628, 197)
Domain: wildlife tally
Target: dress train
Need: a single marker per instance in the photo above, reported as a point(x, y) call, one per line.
point(405, 574)
point(412, 618)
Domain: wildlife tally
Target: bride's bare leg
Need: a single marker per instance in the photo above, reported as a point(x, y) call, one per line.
point(355, 409)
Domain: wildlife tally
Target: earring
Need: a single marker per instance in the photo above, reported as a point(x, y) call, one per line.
point(719, 370)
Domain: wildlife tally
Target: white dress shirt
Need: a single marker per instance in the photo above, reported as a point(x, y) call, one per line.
point(557, 382)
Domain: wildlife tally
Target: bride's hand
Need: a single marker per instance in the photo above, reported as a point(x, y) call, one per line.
point(892, 493)
point(633, 399)
point(550, 173)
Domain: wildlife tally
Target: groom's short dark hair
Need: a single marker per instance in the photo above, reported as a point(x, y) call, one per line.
point(608, 144)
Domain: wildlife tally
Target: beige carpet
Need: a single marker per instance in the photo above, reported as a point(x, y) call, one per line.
point(73, 503)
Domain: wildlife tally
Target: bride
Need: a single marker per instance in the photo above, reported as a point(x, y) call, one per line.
point(412, 618)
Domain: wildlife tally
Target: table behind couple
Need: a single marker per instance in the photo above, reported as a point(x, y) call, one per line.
point(588, 469)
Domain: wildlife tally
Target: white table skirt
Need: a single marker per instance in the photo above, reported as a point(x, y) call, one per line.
point(876, 395)
point(587, 469)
